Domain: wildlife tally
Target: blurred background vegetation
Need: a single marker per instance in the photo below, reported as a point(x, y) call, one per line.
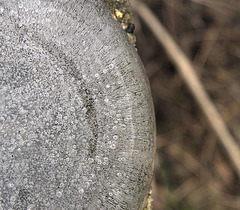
point(192, 170)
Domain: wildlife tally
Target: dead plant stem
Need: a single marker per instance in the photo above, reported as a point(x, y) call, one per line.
point(187, 72)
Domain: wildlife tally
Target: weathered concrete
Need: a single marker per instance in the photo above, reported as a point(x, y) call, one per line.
point(76, 125)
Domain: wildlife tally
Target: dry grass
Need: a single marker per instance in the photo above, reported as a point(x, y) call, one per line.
point(193, 170)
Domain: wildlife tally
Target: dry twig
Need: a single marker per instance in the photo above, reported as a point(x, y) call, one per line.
point(186, 70)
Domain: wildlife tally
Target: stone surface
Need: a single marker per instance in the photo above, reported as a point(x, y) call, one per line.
point(76, 125)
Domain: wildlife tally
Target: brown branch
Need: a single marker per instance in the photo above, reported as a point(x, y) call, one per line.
point(187, 72)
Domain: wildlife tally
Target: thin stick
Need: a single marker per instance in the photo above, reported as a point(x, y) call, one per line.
point(187, 72)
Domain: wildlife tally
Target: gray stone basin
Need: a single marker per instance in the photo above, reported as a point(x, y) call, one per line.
point(76, 123)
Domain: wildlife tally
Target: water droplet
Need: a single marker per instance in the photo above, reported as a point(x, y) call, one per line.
point(123, 126)
point(107, 86)
point(20, 5)
point(111, 66)
point(105, 159)
point(113, 146)
point(128, 117)
point(18, 136)
point(92, 175)
point(12, 199)
point(1, 10)
point(38, 3)
point(10, 185)
point(81, 191)
point(59, 194)
point(115, 137)
point(123, 159)
point(20, 24)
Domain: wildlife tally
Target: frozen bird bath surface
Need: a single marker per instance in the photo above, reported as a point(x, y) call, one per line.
point(76, 124)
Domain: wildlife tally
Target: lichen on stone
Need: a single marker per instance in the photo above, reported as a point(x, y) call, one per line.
point(122, 13)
